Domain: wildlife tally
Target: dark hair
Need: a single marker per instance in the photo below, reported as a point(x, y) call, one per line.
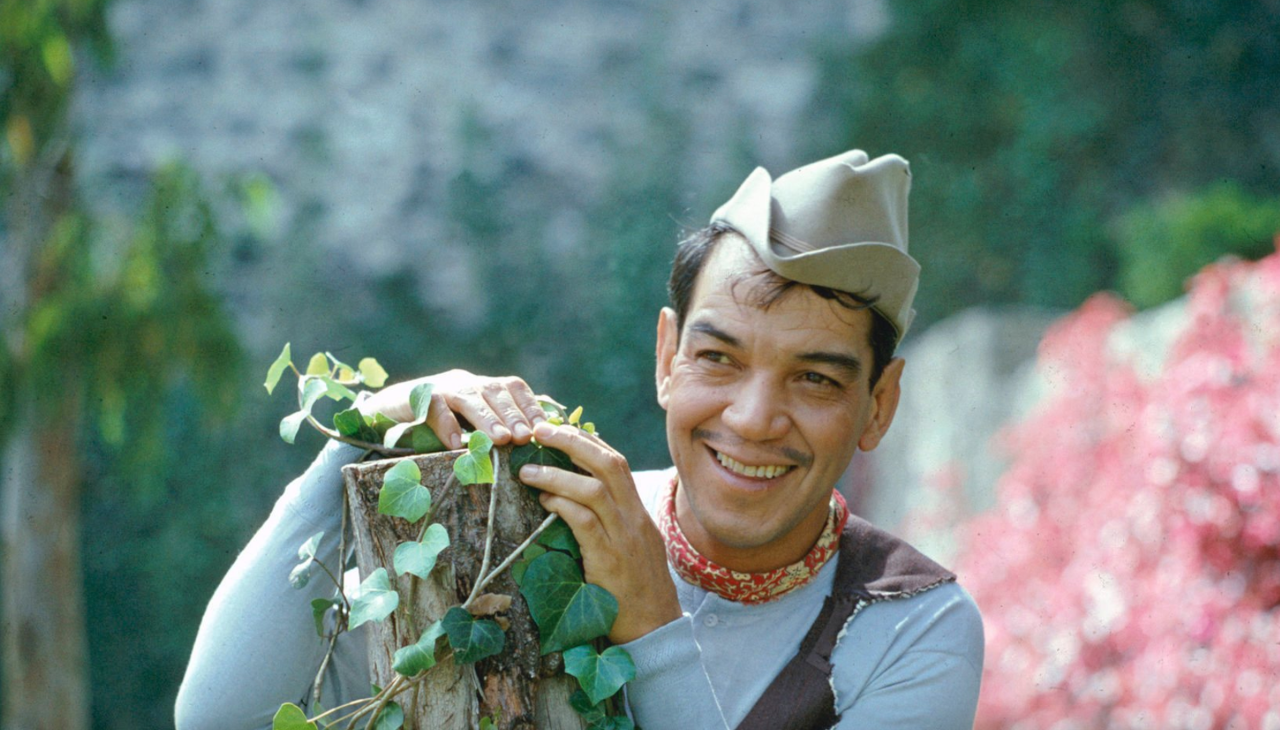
point(692, 253)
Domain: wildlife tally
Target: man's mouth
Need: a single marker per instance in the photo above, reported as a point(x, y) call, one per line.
point(754, 471)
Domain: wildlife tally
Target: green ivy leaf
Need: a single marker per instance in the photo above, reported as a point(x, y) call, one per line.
point(353, 424)
point(336, 390)
point(312, 389)
point(391, 717)
point(291, 717)
point(290, 424)
point(474, 466)
point(581, 704)
point(318, 365)
point(379, 422)
point(559, 536)
point(319, 607)
point(301, 573)
point(277, 369)
point(419, 558)
point(340, 365)
point(374, 600)
point(538, 455)
point(425, 441)
point(520, 566)
point(472, 639)
point(372, 373)
point(486, 723)
point(599, 675)
point(420, 656)
point(420, 400)
point(568, 610)
point(402, 493)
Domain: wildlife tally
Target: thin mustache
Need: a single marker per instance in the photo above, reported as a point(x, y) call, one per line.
point(798, 457)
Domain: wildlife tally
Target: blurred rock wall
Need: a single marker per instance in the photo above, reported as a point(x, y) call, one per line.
point(362, 111)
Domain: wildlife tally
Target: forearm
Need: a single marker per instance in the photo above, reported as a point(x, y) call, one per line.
point(257, 646)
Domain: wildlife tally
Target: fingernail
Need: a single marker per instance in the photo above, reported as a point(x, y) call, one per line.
point(501, 433)
point(522, 431)
point(528, 471)
point(544, 429)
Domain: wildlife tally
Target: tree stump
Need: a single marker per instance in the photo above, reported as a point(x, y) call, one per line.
point(517, 688)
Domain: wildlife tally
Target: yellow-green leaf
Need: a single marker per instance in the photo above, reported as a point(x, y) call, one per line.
point(277, 368)
point(291, 717)
point(372, 373)
point(58, 61)
point(474, 467)
point(319, 365)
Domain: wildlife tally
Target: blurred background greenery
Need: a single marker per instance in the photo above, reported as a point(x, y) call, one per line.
point(1058, 148)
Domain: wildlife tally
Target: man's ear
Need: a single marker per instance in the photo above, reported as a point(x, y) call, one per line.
point(884, 403)
point(668, 341)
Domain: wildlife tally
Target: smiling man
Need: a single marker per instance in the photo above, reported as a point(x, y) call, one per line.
point(749, 596)
point(774, 365)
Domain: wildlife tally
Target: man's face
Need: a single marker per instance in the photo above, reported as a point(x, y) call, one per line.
point(765, 408)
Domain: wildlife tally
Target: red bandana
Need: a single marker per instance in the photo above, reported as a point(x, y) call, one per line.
point(748, 587)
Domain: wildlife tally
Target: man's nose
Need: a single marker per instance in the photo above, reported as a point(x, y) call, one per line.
point(756, 411)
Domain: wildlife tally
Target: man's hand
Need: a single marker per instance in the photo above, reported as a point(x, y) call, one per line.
point(622, 550)
point(505, 409)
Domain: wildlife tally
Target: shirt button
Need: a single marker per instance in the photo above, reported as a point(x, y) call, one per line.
point(710, 620)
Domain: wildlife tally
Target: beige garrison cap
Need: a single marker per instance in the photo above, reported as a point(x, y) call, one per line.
point(839, 223)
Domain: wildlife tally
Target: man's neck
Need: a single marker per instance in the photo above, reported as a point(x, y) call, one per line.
point(788, 549)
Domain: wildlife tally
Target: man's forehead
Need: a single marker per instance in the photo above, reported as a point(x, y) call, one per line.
point(734, 273)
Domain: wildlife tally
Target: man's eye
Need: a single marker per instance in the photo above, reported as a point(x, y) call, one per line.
point(713, 356)
point(819, 379)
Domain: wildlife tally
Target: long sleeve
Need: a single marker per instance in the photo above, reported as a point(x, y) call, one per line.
point(671, 685)
point(257, 646)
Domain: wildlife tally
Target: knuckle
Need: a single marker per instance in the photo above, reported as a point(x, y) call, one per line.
point(617, 463)
point(595, 491)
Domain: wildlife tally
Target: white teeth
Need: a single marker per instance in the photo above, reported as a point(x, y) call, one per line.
point(767, 471)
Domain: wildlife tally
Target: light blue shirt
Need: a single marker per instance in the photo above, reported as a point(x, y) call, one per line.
point(910, 663)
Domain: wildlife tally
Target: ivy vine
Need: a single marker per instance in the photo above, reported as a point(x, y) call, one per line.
point(571, 614)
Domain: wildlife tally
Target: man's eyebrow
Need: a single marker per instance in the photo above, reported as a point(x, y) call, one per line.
point(848, 363)
point(706, 328)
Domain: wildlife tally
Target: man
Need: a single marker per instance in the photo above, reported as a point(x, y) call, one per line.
point(748, 596)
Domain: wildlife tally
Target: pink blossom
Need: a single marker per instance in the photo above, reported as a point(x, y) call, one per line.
point(1129, 575)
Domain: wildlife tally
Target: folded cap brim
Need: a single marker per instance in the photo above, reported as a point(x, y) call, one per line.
point(868, 268)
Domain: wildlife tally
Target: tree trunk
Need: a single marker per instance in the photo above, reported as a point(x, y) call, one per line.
point(517, 688)
point(44, 635)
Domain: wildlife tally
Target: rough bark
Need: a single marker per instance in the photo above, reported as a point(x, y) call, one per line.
point(518, 687)
point(44, 637)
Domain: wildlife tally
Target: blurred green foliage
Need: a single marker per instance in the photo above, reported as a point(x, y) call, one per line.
point(1165, 241)
point(117, 321)
point(1032, 125)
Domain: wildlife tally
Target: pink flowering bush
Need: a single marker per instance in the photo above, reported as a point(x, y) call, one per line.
point(1130, 574)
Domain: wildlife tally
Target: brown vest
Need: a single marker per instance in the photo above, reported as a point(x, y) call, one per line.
point(874, 566)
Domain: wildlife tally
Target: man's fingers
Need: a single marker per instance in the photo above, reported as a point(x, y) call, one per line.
point(582, 490)
point(441, 420)
point(471, 405)
point(584, 523)
point(503, 403)
point(526, 401)
point(589, 452)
